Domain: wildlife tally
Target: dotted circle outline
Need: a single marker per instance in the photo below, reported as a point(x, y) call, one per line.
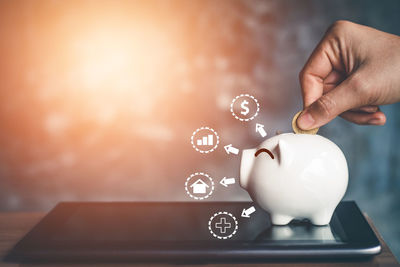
point(226, 213)
point(250, 96)
point(196, 174)
point(204, 151)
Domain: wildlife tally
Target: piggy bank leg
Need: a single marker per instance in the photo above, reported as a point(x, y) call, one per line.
point(321, 218)
point(278, 219)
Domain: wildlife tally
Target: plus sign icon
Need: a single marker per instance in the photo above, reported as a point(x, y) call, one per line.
point(223, 225)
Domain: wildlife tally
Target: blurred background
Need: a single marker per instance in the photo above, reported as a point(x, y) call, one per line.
point(98, 99)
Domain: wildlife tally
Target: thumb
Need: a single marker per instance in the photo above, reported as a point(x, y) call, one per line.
point(331, 104)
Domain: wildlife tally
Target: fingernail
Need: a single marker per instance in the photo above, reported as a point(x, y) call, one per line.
point(374, 121)
point(305, 121)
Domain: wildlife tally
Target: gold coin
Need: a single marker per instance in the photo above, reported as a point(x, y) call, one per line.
point(296, 128)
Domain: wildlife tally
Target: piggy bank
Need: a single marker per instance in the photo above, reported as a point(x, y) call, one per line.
point(295, 176)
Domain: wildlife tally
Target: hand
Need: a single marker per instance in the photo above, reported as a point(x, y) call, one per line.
point(352, 70)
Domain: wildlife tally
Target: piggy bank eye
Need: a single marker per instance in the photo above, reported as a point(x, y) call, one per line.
point(264, 150)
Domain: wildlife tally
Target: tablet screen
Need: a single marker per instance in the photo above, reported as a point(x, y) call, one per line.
point(187, 231)
point(187, 222)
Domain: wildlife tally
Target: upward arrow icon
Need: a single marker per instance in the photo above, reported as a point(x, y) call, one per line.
point(260, 130)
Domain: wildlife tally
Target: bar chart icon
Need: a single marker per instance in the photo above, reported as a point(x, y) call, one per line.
point(206, 140)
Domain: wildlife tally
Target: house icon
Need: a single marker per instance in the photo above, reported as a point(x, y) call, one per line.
point(199, 187)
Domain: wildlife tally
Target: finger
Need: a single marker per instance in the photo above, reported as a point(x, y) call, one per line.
point(342, 98)
point(367, 109)
point(314, 73)
point(362, 118)
point(332, 80)
point(335, 77)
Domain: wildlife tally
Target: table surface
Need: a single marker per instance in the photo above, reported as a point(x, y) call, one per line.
point(14, 225)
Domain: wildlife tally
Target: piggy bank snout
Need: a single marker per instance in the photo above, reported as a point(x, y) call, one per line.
point(246, 166)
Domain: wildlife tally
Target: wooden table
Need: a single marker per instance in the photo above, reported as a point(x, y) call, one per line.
point(14, 225)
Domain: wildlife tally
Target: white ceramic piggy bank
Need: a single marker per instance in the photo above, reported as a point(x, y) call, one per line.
point(298, 176)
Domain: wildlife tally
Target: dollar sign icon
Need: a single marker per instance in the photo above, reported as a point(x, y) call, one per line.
point(245, 110)
point(241, 106)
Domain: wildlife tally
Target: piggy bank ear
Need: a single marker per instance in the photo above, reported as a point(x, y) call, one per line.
point(246, 165)
point(285, 153)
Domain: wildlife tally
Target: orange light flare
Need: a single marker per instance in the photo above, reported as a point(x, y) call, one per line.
point(105, 75)
point(121, 66)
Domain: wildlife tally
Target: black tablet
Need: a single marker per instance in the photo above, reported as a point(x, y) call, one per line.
point(189, 231)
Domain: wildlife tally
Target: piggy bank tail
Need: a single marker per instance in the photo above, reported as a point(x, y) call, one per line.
point(246, 165)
